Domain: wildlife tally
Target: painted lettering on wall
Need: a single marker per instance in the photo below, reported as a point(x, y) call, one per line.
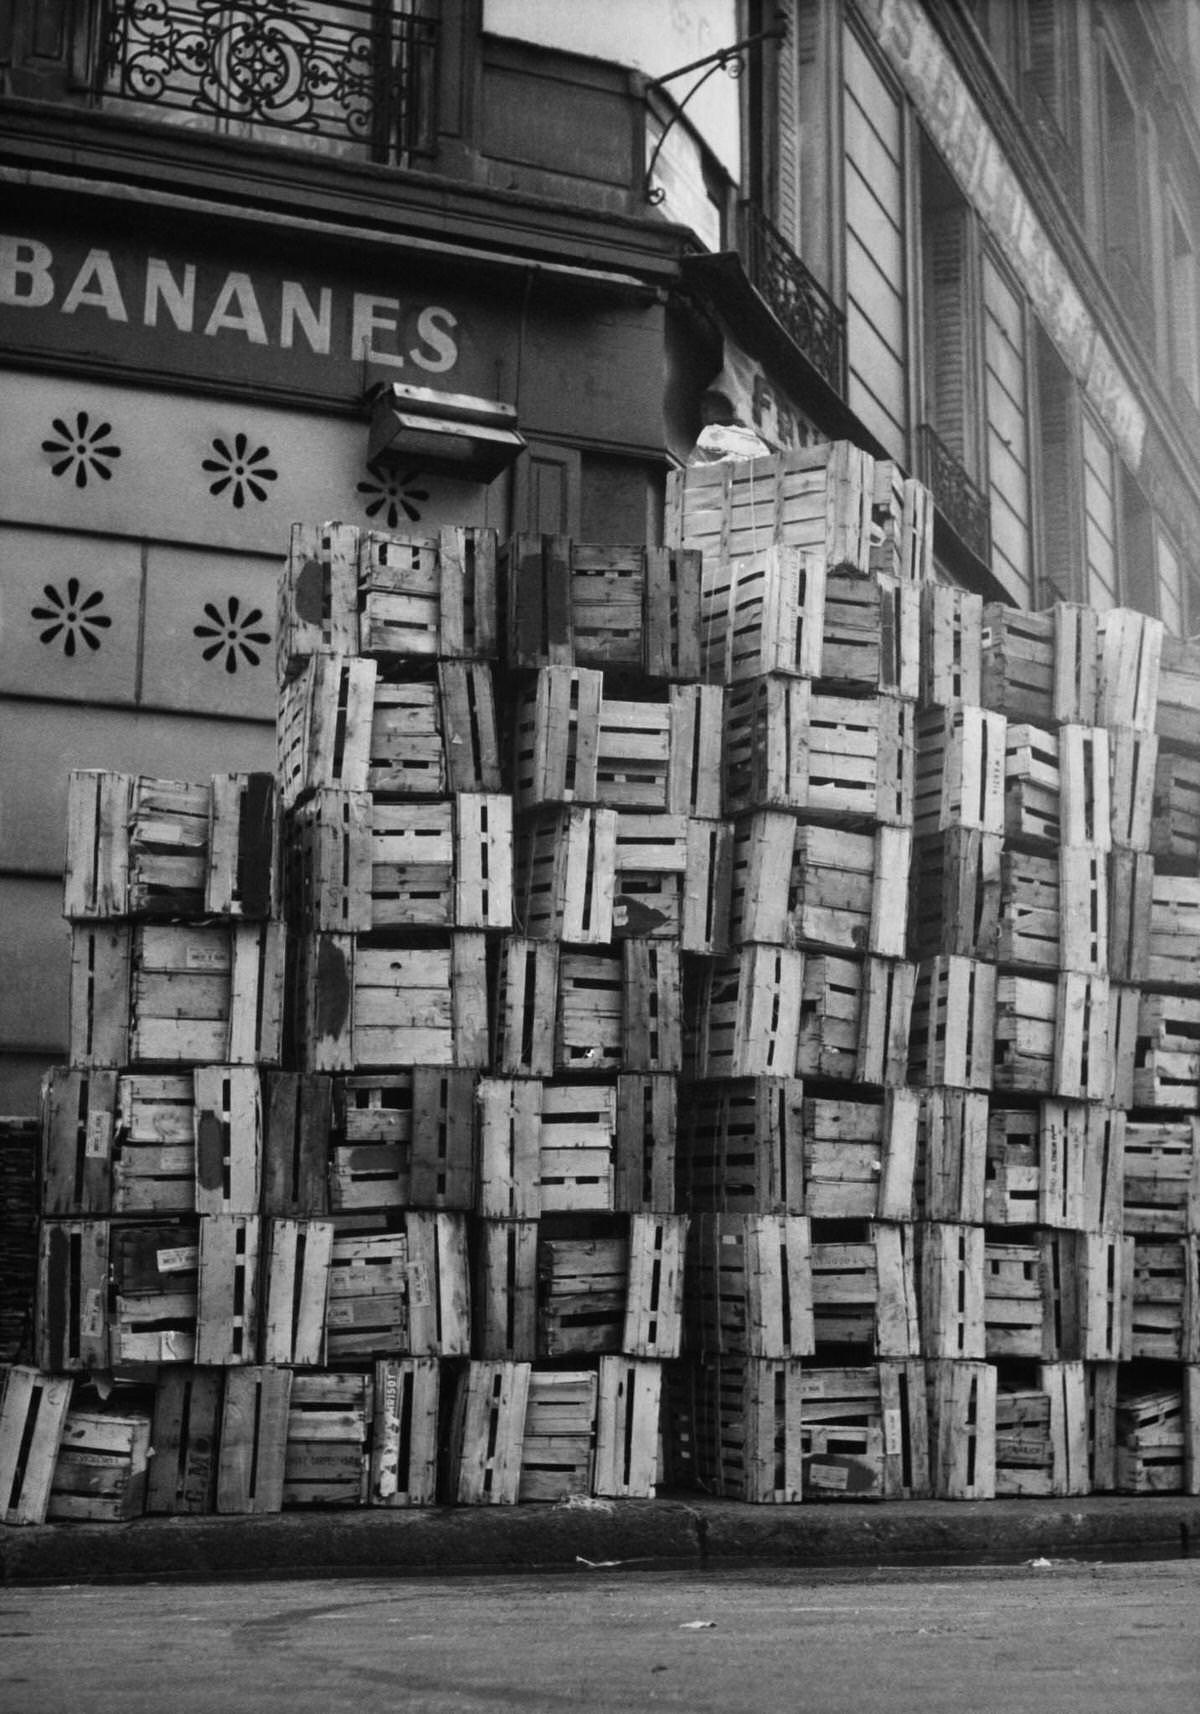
point(233, 307)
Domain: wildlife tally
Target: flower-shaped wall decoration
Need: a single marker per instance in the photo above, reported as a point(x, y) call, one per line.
point(233, 634)
point(239, 471)
point(395, 492)
point(70, 617)
point(84, 451)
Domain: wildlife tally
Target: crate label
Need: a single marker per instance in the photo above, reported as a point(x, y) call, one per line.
point(828, 1475)
point(91, 1319)
point(419, 1295)
point(98, 1139)
point(986, 639)
point(893, 1430)
point(185, 1259)
point(206, 958)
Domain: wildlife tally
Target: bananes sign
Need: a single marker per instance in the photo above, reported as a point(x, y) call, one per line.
point(182, 315)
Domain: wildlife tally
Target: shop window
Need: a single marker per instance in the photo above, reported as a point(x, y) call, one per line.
point(345, 77)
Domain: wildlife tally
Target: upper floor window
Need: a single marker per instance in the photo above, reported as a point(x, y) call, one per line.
point(348, 77)
point(1125, 258)
point(1183, 306)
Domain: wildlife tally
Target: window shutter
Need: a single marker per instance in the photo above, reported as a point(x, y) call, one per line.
point(948, 360)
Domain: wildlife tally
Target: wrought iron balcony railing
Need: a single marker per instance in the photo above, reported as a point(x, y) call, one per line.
point(963, 505)
point(348, 77)
point(801, 306)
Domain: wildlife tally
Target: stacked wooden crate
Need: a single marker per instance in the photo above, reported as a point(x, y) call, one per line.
point(797, 1130)
point(152, 1220)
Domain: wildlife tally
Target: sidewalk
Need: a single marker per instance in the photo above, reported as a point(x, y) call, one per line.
point(679, 1532)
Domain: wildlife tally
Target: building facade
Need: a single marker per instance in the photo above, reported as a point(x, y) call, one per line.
point(965, 234)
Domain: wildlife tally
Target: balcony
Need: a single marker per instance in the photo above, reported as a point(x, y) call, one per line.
point(963, 505)
point(801, 306)
point(341, 78)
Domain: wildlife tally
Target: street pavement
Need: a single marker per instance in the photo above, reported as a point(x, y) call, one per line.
point(1049, 1637)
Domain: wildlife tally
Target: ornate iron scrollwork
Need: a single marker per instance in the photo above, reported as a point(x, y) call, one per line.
point(357, 73)
point(801, 306)
point(963, 505)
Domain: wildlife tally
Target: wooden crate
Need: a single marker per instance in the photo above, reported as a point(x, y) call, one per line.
point(620, 1013)
point(741, 1146)
point(1103, 1284)
point(575, 745)
point(818, 498)
point(653, 1324)
point(1100, 1384)
point(955, 897)
point(855, 1016)
point(951, 656)
point(1173, 954)
point(504, 1303)
point(1165, 1299)
point(297, 1125)
point(746, 1421)
point(1178, 701)
point(364, 1005)
point(318, 596)
point(952, 1145)
point(545, 1148)
point(955, 1018)
point(1041, 1435)
point(959, 771)
point(865, 1433)
point(296, 1291)
point(254, 1427)
point(872, 633)
point(864, 1291)
point(1130, 659)
point(672, 880)
point(159, 993)
point(71, 1321)
point(404, 1139)
point(764, 612)
point(902, 524)
point(144, 847)
point(155, 1275)
point(526, 1008)
point(33, 1411)
point(185, 1437)
point(20, 1167)
point(326, 1461)
point(860, 1158)
point(566, 875)
point(1029, 929)
point(360, 864)
point(1058, 1165)
point(487, 1433)
point(401, 1293)
point(1030, 1302)
point(1131, 884)
point(951, 1295)
point(558, 1444)
point(101, 1470)
point(1158, 1439)
point(78, 1127)
point(1162, 1177)
point(828, 888)
point(747, 1022)
point(583, 1292)
point(1175, 824)
point(644, 1165)
point(1167, 1056)
point(1032, 786)
point(227, 1292)
point(428, 597)
point(1052, 1038)
point(1132, 788)
point(404, 1437)
point(342, 727)
point(228, 1139)
point(596, 605)
point(962, 1430)
point(840, 759)
point(750, 1285)
point(628, 1423)
point(1041, 667)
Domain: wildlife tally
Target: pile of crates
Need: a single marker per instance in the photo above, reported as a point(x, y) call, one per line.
point(726, 1013)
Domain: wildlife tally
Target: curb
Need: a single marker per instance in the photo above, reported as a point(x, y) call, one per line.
point(671, 1534)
